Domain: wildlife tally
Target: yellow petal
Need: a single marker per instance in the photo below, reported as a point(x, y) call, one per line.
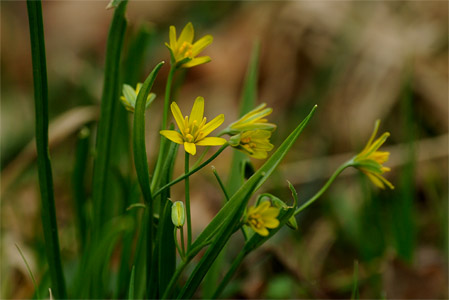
point(211, 141)
point(201, 44)
point(212, 125)
point(197, 61)
point(172, 36)
point(186, 34)
point(271, 223)
point(270, 213)
point(374, 179)
point(259, 154)
point(177, 115)
point(197, 110)
point(190, 148)
point(262, 231)
point(173, 136)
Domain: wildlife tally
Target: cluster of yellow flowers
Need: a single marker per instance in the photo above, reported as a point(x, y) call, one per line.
point(250, 134)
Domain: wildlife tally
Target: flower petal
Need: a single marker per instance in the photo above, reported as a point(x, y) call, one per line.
point(172, 36)
point(177, 114)
point(212, 125)
point(271, 223)
point(190, 148)
point(197, 110)
point(262, 231)
point(211, 141)
point(186, 34)
point(197, 61)
point(201, 44)
point(173, 136)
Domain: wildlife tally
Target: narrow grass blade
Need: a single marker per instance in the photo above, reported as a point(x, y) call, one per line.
point(131, 285)
point(36, 287)
point(78, 184)
point(43, 158)
point(355, 286)
point(111, 93)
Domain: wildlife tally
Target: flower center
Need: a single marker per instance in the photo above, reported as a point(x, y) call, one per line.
point(256, 221)
point(185, 50)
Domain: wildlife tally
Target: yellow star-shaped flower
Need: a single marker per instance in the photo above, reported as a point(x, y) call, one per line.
point(183, 47)
point(193, 130)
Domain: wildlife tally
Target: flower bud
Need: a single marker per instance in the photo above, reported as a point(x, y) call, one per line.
point(178, 214)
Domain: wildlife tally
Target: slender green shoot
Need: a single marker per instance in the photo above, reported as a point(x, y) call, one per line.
point(48, 210)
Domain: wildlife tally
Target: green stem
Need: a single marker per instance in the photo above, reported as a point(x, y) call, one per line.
point(181, 253)
point(191, 172)
point(324, 188)
point(183, 243)
point(187, 197)
point(235, 264)
point(48, 211)
point(167, 95)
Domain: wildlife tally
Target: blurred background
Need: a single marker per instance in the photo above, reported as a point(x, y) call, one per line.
point(359, 61)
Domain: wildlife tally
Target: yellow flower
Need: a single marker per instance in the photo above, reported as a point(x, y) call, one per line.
point(253, 120)
point(194, 129)
point(262, 217)
point(370, 161)
point(183, 47)
point(255, 143)
point(130, 95)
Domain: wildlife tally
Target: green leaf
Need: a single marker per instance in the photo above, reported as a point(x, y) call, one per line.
point(141, 163)
point(140, 154)
point(48, 211)
point(111, 93)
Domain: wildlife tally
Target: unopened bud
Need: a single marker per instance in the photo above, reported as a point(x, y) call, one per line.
point(178, 214)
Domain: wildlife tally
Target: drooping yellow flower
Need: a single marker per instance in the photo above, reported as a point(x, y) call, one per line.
point(183, 47)
point(194, 129)
point(130, 96)
point(261, 217)
point(253, 120)
point(370, 161)
point(255, 143)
